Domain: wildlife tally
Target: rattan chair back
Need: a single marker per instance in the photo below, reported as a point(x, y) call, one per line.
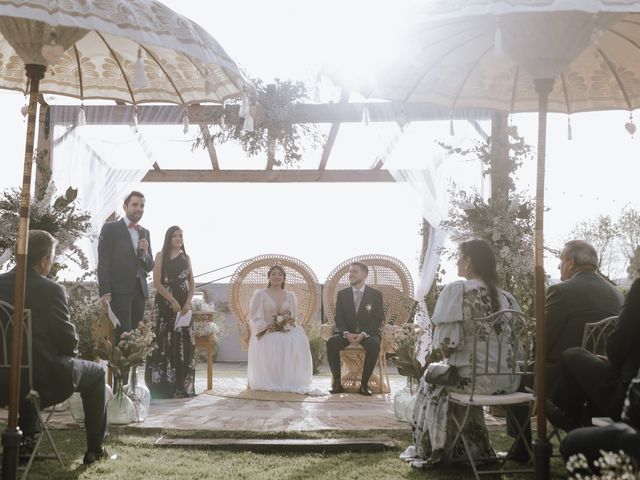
point(252, 275)
point(387, 274)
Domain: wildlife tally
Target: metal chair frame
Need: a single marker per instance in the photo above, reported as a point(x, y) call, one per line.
point(6, 322)
point(492, 328)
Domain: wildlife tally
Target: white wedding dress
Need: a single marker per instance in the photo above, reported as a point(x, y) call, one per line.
point(278, 361)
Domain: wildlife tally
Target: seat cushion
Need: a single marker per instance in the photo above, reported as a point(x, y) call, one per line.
point(486, 400)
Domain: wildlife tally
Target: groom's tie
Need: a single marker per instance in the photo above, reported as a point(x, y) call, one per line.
point(357, 299)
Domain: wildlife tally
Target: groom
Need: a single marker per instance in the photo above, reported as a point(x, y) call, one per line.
point(359, 317)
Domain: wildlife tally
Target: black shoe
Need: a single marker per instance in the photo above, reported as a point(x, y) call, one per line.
point(337, 388)
point(92, 457)
point(365, 391)
point(558, 418)
point(520, 455)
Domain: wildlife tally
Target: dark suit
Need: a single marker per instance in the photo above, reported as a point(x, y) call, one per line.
point(57, 373)
point(122, 273)
point(584, 298)
point(603, 383)
point(368, 319)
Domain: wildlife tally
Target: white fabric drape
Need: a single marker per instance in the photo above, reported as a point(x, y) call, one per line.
point(430, 185)
point(99, 170)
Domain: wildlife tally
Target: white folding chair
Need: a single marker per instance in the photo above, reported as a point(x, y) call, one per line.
point(26, 364)
point(492, 337)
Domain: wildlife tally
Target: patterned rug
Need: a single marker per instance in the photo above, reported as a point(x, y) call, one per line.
point(234, 391)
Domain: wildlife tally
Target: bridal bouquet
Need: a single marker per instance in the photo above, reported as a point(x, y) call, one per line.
point(283, 322)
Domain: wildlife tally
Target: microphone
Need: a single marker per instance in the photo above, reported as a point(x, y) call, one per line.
point(142, 235)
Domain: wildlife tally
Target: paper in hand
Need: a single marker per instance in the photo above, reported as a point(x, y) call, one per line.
point(183, 320)
point(112, 316)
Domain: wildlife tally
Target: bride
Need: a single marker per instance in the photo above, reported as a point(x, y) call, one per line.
point(279, 361)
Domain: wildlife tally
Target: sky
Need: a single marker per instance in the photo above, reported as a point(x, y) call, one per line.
point(322, 224)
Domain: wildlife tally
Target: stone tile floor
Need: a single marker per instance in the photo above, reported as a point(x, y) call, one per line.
point(230, 407)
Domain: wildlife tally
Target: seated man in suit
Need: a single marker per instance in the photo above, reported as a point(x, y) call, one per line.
point(601, 384)
point(359, 318)
point(624, 435)
point(582, 296)
point(57, 373)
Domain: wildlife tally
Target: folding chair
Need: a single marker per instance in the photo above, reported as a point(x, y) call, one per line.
point(492, 357)
point(27, 390)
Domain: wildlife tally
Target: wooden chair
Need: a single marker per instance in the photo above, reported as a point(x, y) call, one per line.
point(252, 274)
point(490, 334)
point(392, 278)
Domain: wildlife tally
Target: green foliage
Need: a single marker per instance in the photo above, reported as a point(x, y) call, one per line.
point(60, 217)
point(282, 141)
point(508, 228)
point(87, 314)
point(318, 348)
point(617, 241)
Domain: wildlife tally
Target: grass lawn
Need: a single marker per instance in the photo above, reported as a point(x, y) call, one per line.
point(139, 459)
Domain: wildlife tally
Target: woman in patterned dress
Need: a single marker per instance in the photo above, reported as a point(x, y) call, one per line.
point(170, 370)
point(458, 304)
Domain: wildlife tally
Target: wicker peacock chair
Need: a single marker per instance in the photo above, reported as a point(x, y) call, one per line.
point(252, 274)
point(392, 278)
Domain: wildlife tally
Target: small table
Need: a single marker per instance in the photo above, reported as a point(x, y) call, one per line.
point(206, 342)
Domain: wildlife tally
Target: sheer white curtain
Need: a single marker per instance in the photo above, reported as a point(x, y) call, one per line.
point(430, 185)
point(102, 160)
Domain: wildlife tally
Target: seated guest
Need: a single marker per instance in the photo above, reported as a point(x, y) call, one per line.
point(618, 436)
point(601, 383)
point(582, 297)
point(57, 373)
point(458, 304)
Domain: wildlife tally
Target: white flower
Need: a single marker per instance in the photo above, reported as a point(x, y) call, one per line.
point(368, 307)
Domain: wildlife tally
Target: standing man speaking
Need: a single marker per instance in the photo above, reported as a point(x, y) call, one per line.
point(124, 259)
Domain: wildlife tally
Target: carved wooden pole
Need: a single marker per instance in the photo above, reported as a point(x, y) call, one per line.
point(12, 435)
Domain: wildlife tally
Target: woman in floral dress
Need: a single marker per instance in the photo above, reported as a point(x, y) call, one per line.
point(459, 303)
point(170, 370)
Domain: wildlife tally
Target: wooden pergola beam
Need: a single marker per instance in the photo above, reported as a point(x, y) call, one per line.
point(208, 141)
point(298, 113)
point(333, 133)
point(268, 176)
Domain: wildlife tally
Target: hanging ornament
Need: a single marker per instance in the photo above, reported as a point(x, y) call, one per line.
point(82, 117)
point(52, 53)
point(243, 112)
point(569, 136)
point(498, 48)
point(452, 132)
point(135, 118)
point(209, 86)
point(140, 79)
point(630, 126)
point(316, 89)
point(365, 115)
point(185, 121)
point(248, 124)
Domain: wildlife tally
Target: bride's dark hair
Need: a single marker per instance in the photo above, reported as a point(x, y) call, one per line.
point(277, 267)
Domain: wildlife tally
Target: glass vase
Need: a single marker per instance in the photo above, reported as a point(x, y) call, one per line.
point(75, 403)
point(75, 407)
point(120, 409)
point(139, 394)
point(403, 402)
